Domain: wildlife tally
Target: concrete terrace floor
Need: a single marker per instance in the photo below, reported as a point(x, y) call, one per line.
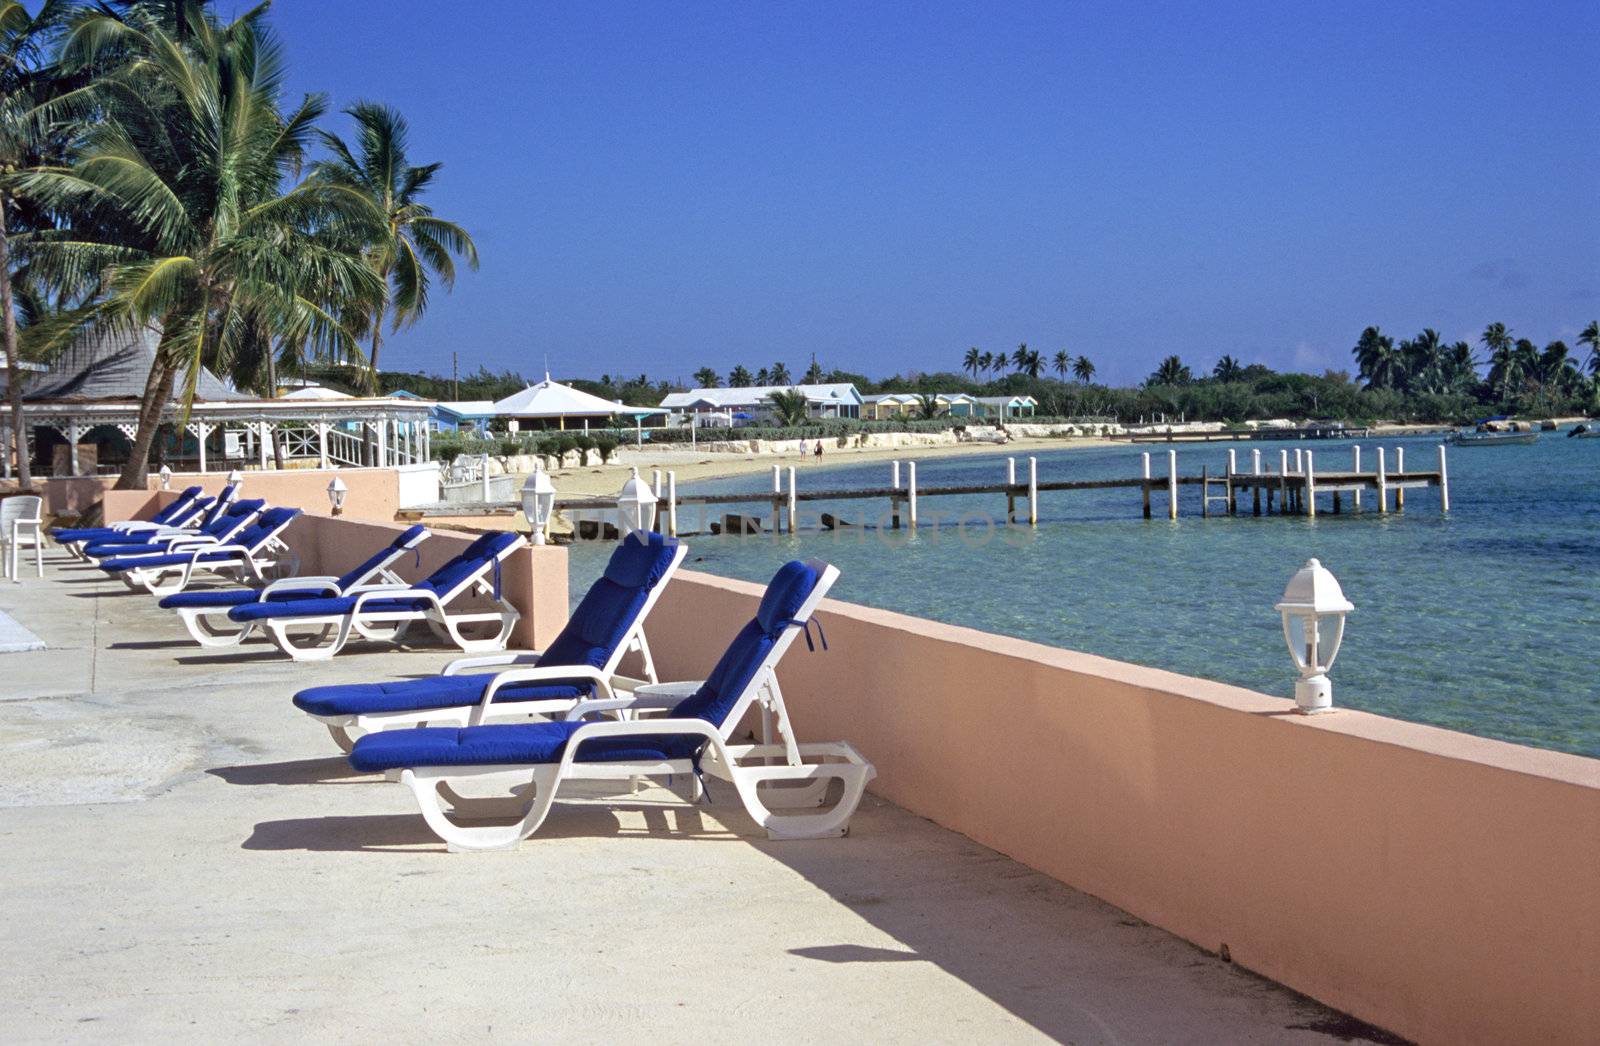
point(188, 857)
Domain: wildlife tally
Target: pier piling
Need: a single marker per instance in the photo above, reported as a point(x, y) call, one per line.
point(911, 494)
point(1311, 487)
point(1383, 484)
point(894, 498)
point(1399, 466)
point(1011, 485)
point(1255, 470)
point(791, 507)
point(672, 504)
point(1146, 457)
point(1172, 484)
point(1444, 483)
point(1355, 466)
point(1033, 492)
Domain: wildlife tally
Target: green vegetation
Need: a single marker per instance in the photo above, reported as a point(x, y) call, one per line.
point(151, 173)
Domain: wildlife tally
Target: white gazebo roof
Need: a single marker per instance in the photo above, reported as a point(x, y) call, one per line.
point(551, 399)
point(316, 392)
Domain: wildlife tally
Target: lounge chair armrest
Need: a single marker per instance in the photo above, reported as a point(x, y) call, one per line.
point(636, 728)
point(184, 542)
point(394, 592)
point(302, 584)
point(467, 664)
point(547, 673)
point(639, 700)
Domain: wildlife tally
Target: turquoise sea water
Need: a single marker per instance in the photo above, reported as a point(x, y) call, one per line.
point(1484, 620)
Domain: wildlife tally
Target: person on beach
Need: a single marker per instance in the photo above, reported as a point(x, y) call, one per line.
point(802, 446)
point(818, 452)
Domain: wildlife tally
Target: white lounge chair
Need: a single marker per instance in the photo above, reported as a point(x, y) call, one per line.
point(525, 763)
point(205, 613)
point(21, 516)
point(253, 553)
point(385, 613)
point(184, 510)
point(582, 662)
point(216, 519)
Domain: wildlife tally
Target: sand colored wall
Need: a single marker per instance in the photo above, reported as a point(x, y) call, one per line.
point(373, 493)
point(1442, 886)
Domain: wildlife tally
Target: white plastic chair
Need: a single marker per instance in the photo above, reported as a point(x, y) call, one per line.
point(21, 516)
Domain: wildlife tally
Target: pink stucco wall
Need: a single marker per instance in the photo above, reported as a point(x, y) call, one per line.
point(373, 493)
point(1442, 886)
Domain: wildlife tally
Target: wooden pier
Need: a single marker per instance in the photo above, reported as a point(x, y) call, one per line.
point(1290, 485)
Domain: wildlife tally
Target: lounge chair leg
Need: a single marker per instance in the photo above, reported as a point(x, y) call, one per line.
point(830, 823)
point(341, 737)
point(425, 784)
point(205, 630)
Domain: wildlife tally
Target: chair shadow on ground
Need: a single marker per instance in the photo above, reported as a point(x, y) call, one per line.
point(150, 644)
point(329, 770)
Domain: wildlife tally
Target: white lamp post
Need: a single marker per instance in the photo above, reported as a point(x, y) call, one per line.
point(336, 492)
point(1313, 609)
point(236, 477)
point(166, 477)
point(636, 506)
point(538, 502)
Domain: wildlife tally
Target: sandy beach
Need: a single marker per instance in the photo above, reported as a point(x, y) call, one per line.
point(693, 466)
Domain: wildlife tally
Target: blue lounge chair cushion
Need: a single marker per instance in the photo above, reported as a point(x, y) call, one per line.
point(408, 538)
point(410, 695)
point(325, 606)
point(166, 515)
point(511, 743)
point(231, 597)
point(528, 743)
point(612, 604)
point(117, 564)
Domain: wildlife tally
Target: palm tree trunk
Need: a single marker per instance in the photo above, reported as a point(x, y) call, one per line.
point(157, 393)
point(19, 433)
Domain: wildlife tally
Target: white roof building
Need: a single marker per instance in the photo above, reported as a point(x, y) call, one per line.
point(552, 401)
point(835, 400)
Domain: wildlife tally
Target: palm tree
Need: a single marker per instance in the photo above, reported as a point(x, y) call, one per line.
point(814, 373)
point(761, 377)
point(779, 375)
point(1171, 372)
point(971, 360)
point(1083, 369)
point(1461, 368)
point(1033, 364)
point(739, 378)
point(1019, 359)
point(1063, 363)
point(414, 242)
point(927, 406)
point(1423, 363)
point(187, 223)
point(1227, 369)
point(1591, 338)
point(26, 73)
point(1378, 362)
point(791, 407)
point(706, 378)
point(985, 363)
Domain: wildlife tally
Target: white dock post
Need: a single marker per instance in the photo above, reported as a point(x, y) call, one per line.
point(655, 483)
point(483, 478)
point(1233, 466)
point(1033, 492)
point(1172, 484)
point(1011, 481)
point(1444, 483)
point(1383, 483)
point(1255, 470)
point(1311, 487)
point(894, 475)
point(1299, 460)
point(1146, 457)
point(672, 504)
point(911, 494)
point(777, 500)
point(894, 499)
point(792, 501)
point(1400, 466)
point(1283, 481)
point(1355, 464)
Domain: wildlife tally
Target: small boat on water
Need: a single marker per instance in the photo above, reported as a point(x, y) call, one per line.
point(1585, 430)
point(1491, 439)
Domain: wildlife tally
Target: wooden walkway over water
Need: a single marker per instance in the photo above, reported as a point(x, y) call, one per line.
point(1290, 485)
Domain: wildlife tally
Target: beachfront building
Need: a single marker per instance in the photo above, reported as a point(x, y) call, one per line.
point(957, 404)
point(1005, 407)
point(552, 405)
point(461, 415)
point(882, 406)
point(82, 412)
point(753, 404)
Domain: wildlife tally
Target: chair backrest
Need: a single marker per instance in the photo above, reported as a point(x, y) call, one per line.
point(236, 518)
point(483, 554)
point(786, 607)
point(20, 508)
point(407, 540)
point(229, 495)
point(266, 527)
point(178, 508)
point(615, 607)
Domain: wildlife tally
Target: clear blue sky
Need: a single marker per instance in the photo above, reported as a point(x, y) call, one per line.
point(659, 187)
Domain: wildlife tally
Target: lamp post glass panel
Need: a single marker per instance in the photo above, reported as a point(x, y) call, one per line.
point(1313, 610)
point(166, 477)
point(336, 493)
point(538, 503)
point(235, 477)
point(636, 506)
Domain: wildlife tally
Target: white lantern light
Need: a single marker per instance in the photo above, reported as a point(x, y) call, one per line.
point(636, 506)
point(1313, 609)
point(166, 477)
point(539, 503)
point(236, 477)
point(336, 492)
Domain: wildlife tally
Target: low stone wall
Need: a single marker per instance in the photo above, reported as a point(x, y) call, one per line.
point(1443, 886)
point(371, 494)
